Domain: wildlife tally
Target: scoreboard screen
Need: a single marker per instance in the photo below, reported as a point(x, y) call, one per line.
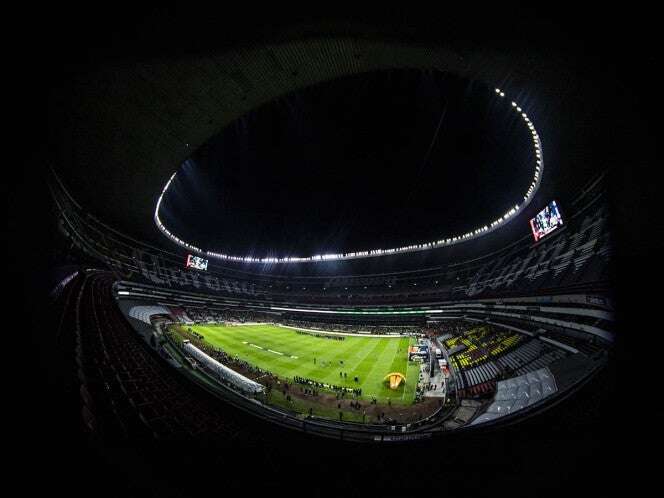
point(546, 221)
point(196, 262)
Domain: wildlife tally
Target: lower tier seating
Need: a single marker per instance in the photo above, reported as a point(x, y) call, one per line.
point(126, 390)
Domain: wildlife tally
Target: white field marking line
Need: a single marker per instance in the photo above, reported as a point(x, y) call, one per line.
point(241, 324)
point(270, 350)
point(329, 332)
point(404, 387)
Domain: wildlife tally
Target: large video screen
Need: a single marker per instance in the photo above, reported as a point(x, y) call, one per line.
point(546, 221)
point(196, 262)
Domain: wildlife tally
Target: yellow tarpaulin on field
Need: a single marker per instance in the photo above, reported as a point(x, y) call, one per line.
point(395, 379)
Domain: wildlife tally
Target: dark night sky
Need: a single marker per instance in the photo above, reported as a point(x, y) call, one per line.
point(381, 159)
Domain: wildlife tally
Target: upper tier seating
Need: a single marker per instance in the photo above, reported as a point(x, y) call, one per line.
point(576, 257)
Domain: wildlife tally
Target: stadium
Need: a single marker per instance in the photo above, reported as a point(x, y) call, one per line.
point(334, 240)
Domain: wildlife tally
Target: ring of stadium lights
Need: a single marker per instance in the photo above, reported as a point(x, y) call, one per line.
point(478, 232)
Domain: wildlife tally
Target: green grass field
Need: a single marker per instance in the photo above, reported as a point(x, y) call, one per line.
point(286, 353)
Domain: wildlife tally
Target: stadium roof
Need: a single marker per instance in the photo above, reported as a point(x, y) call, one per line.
point(357, 167)
point(120, 128)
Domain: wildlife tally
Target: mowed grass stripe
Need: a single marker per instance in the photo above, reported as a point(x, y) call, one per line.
point(369, 358)
point(381, 367)
point(361, 351)
point(231, 342)
point(295, 346)
point(400, 361)
point(343, 352)
point(412, 376)
point(368, 355)
point(232, 336)
point(311, 348)
point(347, 350)
point(372, 360)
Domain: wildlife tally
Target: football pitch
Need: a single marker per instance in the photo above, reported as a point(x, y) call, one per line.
point(287, 353)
